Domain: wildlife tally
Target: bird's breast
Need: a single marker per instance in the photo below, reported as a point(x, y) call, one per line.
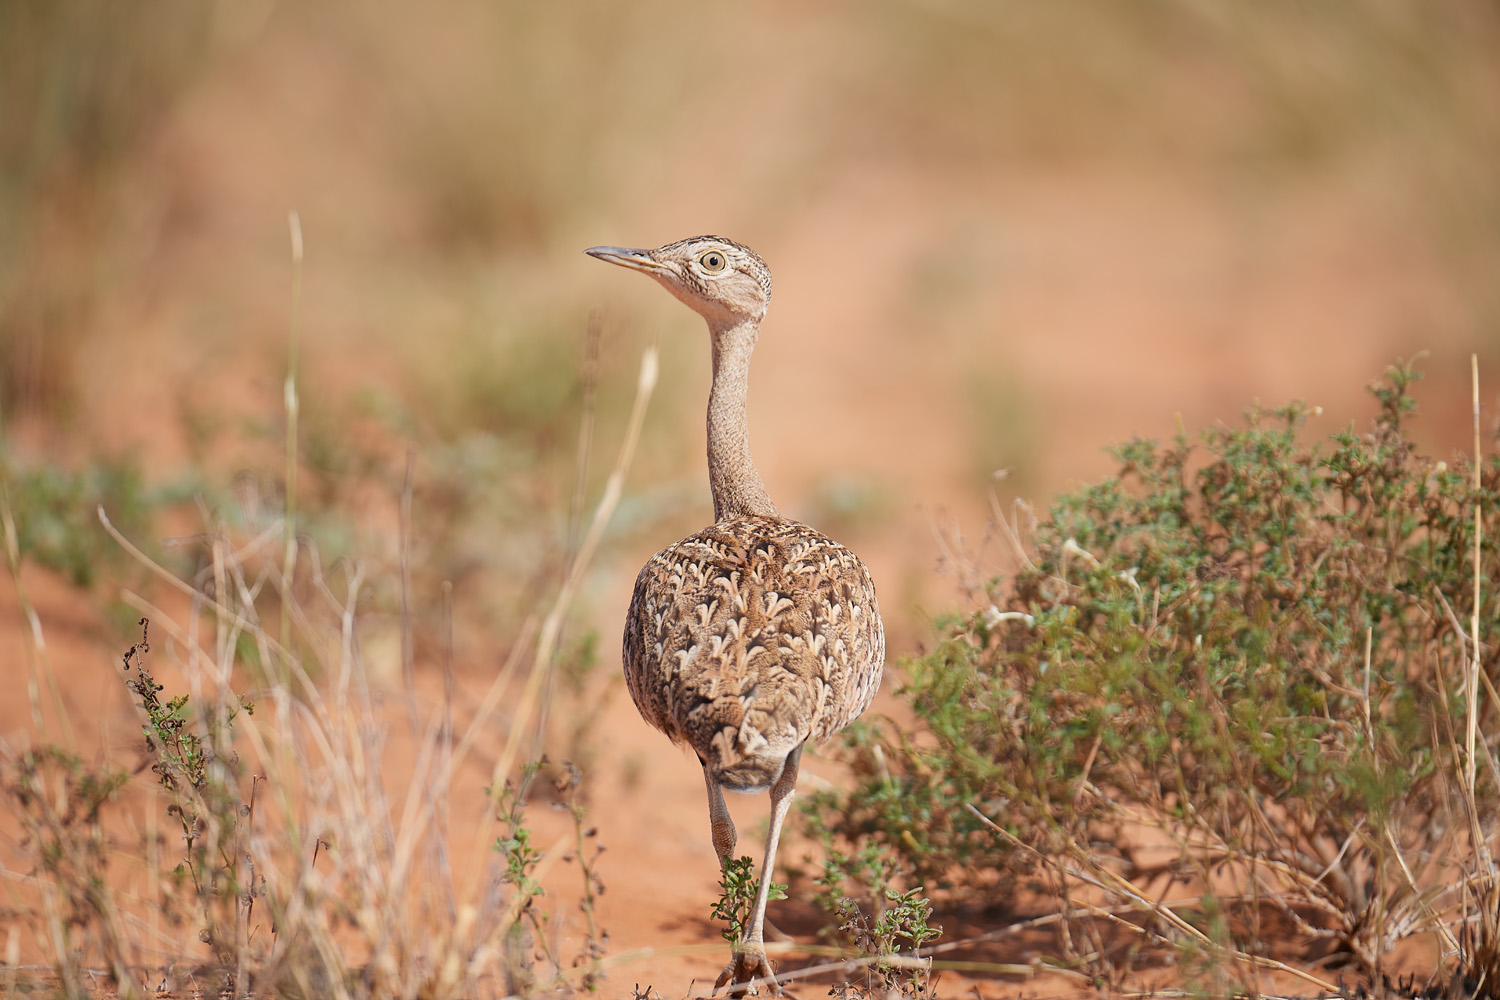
point(752, 636)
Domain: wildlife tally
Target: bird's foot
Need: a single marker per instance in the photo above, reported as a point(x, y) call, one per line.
point(747, 974)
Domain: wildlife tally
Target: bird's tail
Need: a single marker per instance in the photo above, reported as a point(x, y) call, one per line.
point(748, 766)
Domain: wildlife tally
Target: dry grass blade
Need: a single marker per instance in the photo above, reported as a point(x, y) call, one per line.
point(1421, 897)
point(1473, 666)
point(293, 408)
point(37, 665)
point(552, 624)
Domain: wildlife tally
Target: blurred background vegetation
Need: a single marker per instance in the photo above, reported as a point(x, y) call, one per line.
point(1003, 235)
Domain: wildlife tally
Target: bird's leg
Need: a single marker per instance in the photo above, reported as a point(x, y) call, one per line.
point(720, 825)
point(750, 962)
point(781, 804)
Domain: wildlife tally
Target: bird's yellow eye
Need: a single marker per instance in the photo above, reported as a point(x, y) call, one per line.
point(712, 261)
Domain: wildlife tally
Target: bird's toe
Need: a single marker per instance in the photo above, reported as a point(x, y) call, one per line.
point(748, 974)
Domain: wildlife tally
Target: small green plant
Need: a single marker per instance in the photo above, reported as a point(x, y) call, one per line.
point(525, 923)
point(869, 868)
point(521, 858)
point(201, 781)
point(736, 904)
point(899, 927)
point(897, 932)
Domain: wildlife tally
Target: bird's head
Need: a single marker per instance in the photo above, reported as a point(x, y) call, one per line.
point(721, 280)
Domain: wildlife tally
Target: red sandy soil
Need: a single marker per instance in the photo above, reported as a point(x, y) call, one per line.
point(1107, 300)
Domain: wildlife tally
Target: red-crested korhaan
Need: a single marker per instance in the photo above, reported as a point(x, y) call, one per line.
point(758, 634)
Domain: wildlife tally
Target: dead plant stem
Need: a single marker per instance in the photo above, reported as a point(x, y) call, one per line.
point(1091, 872)
point(37, 662)
point(1471, 687)
point(289, 562)
point(552, 624)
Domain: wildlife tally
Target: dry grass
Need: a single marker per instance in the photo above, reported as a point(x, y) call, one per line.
point(306, 867)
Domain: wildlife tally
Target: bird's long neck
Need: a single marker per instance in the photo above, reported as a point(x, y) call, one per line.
point(736, 485)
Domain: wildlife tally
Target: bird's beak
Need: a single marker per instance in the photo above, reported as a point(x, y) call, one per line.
point(638, 260)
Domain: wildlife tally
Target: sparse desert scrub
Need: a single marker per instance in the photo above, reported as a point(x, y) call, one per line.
point(279, 854)
point(282, 856)
point(1235, 683)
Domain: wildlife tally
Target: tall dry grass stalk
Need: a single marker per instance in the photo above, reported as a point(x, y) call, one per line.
point(1473, 667)
point(38, 667)
point(293, 407)
point(1477, 951)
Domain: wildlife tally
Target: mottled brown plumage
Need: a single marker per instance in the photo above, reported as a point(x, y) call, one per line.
point(758, 634)
point(744, 641)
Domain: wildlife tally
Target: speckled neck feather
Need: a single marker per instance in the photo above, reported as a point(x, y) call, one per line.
point(732, 476)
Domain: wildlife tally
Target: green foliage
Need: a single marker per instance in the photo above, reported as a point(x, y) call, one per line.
point(54, 509)
point(870, 868)
point(196, 767)
point(185, 754)
point(900, 925)
point(1187, 653)
point(521, 858)
point(525, 924)
point(736, 904)
point(900, 928)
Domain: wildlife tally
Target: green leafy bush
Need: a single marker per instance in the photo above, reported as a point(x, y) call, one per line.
point(1238, 667)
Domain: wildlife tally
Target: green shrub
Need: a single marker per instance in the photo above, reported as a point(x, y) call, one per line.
point(1185, 662)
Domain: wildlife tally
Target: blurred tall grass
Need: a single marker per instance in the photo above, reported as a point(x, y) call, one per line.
point(461, 154)
point(81, 82)
point(1396, 96)
point(501, 128)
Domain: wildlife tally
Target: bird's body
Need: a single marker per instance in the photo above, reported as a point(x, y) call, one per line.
point(750, 638)
point(743, 642)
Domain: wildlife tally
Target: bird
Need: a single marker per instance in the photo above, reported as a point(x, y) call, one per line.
point(757, 635)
